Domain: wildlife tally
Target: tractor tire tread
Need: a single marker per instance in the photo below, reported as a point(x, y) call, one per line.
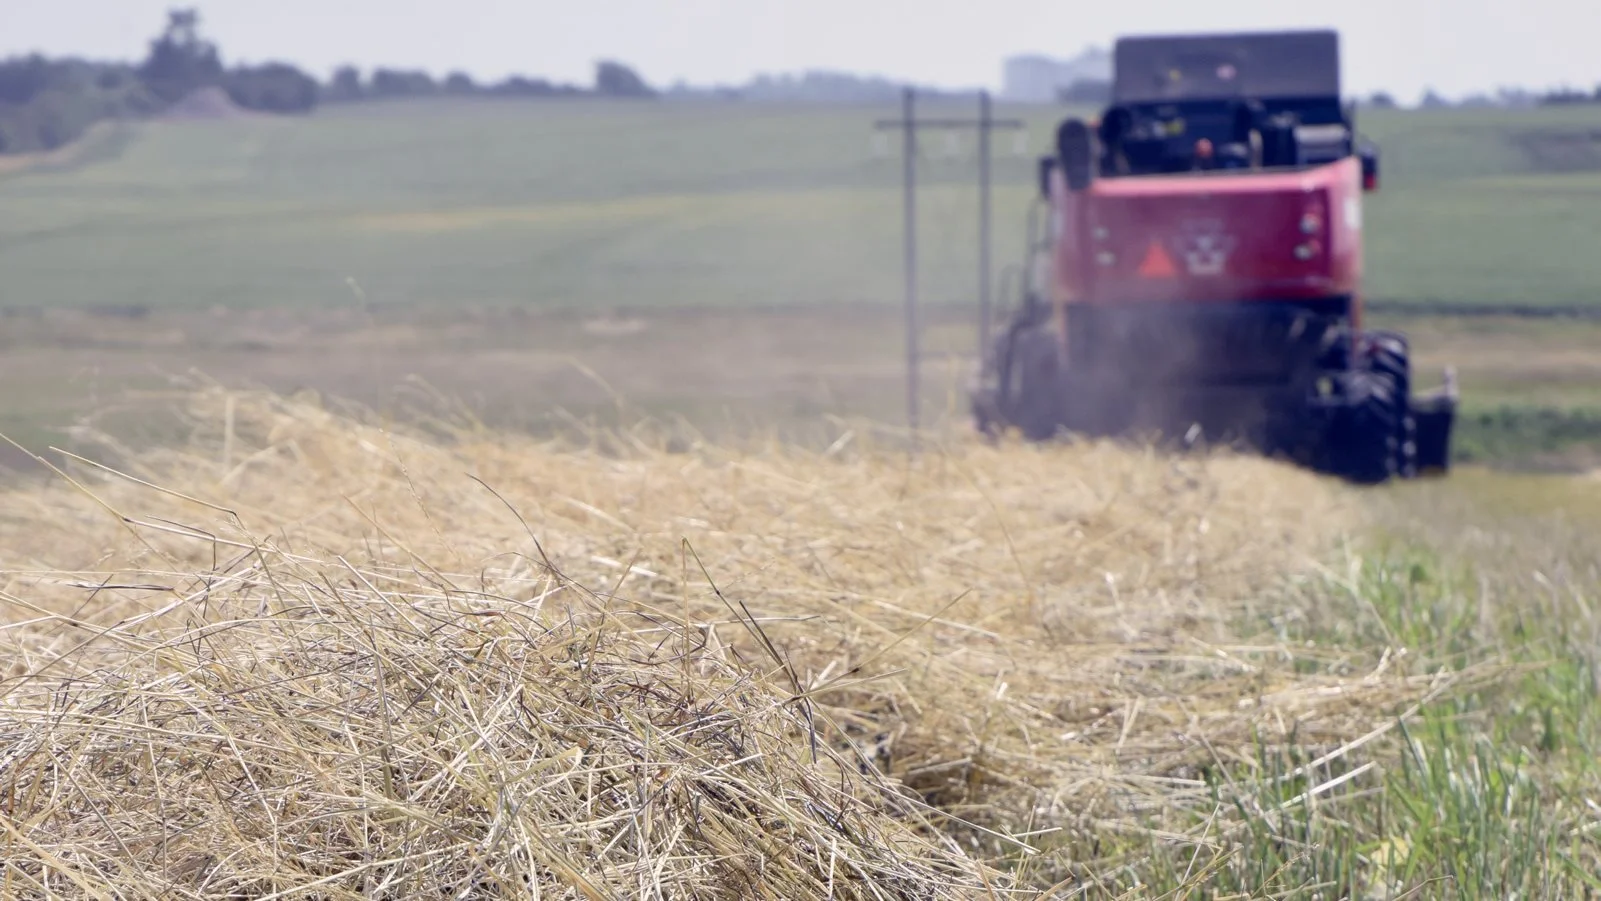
point(1367, 447)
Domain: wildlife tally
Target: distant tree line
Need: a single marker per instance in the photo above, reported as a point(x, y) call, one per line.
point(813, 86)
point(1505, 98)
point(1567, 96)
point(348, 85)
point(47, 103)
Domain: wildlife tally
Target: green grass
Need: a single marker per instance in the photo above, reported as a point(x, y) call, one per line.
point(1491, 207)
point(1488, 793)
point(1529, 436)
point(598, 204)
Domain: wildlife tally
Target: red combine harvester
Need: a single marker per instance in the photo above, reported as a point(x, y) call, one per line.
point(1199, 274)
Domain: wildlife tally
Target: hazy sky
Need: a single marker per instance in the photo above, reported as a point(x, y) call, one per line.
point(1455, 46)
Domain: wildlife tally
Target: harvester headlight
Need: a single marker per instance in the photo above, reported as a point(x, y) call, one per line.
point(1307, 250)
point(1310, 224)
point(1106, 258)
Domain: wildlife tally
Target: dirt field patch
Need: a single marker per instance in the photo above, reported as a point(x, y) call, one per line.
point(205, 105)
point(730, 372)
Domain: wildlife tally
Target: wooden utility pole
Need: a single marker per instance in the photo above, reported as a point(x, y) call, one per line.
point(985, 124)
point(909, 224)
point(909, 125)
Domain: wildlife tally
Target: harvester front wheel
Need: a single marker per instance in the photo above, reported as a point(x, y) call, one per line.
point(1367, 444)
point(1390, 359)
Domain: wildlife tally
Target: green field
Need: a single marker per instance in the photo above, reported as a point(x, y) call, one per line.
point(581, 205)
point(596, 205)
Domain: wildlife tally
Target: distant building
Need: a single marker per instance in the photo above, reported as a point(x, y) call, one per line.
point(1042, 79)
point(1030, 79)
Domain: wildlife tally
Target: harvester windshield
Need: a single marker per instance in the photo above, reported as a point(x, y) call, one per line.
point(1263, 65)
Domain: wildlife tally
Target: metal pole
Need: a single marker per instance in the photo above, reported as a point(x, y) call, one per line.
point(984, 124)
point(910, 153)
point(909, 125)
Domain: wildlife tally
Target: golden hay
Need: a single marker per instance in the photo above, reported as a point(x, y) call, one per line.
point(323, 653)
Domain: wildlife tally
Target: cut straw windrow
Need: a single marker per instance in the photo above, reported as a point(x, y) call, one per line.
point(498, 668)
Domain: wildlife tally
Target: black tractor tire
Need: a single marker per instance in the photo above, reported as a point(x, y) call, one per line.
point(1365, 445)
point(1032, 391)
point(1390, 358)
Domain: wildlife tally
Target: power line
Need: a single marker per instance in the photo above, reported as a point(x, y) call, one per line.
point(909, 125)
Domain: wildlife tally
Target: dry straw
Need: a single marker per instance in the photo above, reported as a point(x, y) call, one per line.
point(307, 654)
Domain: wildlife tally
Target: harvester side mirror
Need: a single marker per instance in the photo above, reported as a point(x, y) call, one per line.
point(1115, 125)
point(1076, 151)
point(1369, 154)
point(1047, 165)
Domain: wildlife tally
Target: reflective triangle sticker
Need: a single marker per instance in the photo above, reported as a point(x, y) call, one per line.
point(1157, 264)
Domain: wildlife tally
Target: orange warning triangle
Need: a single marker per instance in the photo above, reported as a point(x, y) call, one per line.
point(1157, 264)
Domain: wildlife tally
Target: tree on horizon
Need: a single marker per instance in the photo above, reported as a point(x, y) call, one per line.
point(180, 61)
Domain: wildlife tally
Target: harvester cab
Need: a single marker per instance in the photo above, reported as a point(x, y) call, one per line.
point(1198, 270)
